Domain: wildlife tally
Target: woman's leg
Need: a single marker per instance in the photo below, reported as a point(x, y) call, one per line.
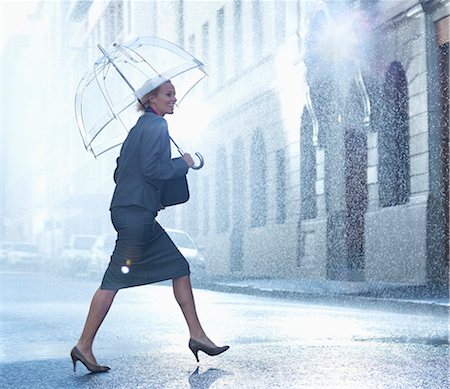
point(182, 290)
point(101, 302)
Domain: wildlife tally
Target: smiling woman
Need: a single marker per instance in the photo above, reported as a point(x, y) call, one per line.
point(144, 253)
point(161, 100)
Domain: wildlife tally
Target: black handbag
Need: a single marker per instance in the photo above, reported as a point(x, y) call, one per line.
point(174, 191)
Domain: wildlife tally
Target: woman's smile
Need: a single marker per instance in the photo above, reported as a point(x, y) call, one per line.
point(164, 102)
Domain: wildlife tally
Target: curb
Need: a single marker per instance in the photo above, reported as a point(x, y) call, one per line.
point(354, 300)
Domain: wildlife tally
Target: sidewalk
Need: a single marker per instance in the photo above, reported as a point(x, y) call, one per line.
point(338, 292)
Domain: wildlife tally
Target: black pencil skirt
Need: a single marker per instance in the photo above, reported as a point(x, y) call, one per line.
point(143, 254)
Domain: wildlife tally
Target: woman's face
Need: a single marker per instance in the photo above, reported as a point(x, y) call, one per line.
point(165, 99)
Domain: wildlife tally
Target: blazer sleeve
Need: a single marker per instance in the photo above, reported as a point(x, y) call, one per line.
point(155, 148)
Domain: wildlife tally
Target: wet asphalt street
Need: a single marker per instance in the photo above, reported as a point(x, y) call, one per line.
point(274, 343)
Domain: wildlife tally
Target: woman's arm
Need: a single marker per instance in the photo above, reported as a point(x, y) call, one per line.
point(155, 154)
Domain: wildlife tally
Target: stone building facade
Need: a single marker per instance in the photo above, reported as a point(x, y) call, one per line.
point(323, 124)
point(327, 141)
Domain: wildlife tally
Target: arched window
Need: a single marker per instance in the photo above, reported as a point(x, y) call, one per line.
point(393, 139)
point(239, 181)
point(239, 208)
point(258, 180)
point(222, 192)
point(220, 46)
point(237, 36)
point(193, 206)
point(206, 206)
point(258, 29)
point(281, 185)
point(308, 173)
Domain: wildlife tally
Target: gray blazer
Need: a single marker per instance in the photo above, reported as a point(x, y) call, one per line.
point(145, 163)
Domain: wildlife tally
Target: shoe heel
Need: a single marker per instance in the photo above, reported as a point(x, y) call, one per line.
point(74, 360)
point(194, 350)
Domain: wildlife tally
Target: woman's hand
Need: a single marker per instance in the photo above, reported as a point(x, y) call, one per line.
point(188, 159)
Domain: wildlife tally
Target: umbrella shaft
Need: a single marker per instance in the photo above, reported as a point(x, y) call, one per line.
point(113, 64)
point(178, 148)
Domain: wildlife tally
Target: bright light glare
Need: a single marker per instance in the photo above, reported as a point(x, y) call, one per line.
point(338, 39)
point(290, 81)
point(15, 19)
point(189, 121)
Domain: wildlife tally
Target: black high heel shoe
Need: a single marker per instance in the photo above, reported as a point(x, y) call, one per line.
point(92, 367)
point(197, 346)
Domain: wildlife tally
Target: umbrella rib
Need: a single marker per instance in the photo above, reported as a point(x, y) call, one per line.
point(104, 151)
point(174, 70)
point(109, 121)
point(182, 98)
point(104, 96)
point(115, 66)
point(79, 115)
point(140, 56)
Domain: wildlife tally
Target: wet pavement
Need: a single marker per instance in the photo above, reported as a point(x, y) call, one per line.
point(275, 342)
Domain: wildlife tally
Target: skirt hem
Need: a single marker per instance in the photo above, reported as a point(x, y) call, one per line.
point(145, 282)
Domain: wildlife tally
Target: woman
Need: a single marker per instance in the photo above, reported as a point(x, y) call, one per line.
point(144, 253)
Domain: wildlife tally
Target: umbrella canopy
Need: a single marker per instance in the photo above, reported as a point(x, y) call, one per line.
point(106, 98)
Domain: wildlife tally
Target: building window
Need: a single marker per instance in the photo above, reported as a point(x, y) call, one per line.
point(193, 206)
point(258, 29)
point(180, 23)
point(280, 21)
point(153, 17)
point(281, 185)
point(239, 181)
point(222, 192)
point(393, 139)
point(220, 47)
point(308, 175)
point(205, 52)
point(300, 23)
point(206, 206)
point(237, 35)
point(258, 180)
point(205, 42)
point(239, 206)
point(192, 45)
point(120, 18)
point(128, 12)
point(114, 21)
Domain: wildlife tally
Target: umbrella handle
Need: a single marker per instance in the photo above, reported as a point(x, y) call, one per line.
point(201, 163)
point(195, 167)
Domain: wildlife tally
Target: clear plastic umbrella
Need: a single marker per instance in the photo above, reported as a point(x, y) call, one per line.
point(106, 98)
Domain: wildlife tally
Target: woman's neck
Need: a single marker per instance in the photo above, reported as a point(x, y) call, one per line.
point(152, 110)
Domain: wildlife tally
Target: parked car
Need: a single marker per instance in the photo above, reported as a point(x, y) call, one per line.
point(77, 255)
point(188, 248)
point(5, 252)
point(25, 256)
point(101, 253)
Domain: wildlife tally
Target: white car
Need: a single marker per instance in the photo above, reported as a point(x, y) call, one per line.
point(101, 253)
point(5, 251)
point(77, 255)
point(25, 256)
point(188, 248)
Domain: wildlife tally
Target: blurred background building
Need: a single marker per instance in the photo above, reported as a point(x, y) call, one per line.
point(324, 126)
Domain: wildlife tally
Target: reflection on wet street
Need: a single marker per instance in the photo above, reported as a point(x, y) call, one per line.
point(274, 343)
